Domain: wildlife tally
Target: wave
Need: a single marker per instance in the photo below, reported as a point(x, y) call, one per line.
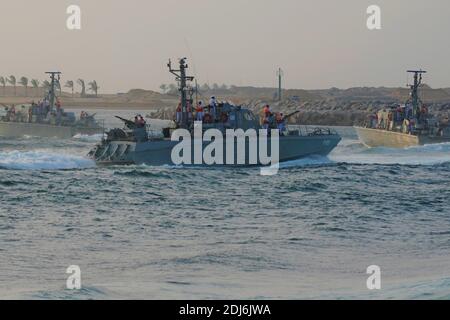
point(435, 289)
point(41, 160)
point(354, 152)
point(310, 161)
point(89, 138)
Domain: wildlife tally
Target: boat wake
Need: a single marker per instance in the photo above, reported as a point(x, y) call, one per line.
point(42, 160)
point(354, 152)
point(89, 138)
point(310, 161)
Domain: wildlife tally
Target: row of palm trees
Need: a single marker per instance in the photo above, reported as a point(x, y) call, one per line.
point(173, 88)
point(36, 84)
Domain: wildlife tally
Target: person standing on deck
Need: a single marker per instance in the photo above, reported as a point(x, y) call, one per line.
point(58, 106)
point(178, 114)
point(199, 111)
point(213, 106)
point(189, 111)
point(266, 121)
point(281, 122)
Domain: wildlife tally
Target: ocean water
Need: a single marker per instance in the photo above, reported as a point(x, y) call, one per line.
point(140, 232)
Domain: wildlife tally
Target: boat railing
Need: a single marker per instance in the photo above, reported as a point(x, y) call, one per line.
point(308, 131)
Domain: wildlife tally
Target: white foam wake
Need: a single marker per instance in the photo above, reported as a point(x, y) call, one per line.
point(40, 160)
point(354, 152)
point(89, 138)
point(308, 161)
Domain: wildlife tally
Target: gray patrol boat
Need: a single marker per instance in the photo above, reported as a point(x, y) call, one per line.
point(46, 119)
point(134, 144)
point(402, 126)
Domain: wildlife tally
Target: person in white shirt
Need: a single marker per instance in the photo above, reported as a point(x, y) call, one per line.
point(213, 105)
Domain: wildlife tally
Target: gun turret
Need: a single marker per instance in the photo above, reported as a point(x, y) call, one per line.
point(290, 115)
point(128, 123)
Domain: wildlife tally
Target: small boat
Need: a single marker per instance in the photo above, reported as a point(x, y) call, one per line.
point(47, 119)
point(134, 145)
point(403, 126)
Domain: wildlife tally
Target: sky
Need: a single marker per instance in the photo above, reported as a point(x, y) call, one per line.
point(318, 43)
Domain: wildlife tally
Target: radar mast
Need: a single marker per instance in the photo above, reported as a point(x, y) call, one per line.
point(185, 89)
point(55, 76)
point(415, 90)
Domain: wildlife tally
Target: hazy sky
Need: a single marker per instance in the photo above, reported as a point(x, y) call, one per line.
point(319, 43)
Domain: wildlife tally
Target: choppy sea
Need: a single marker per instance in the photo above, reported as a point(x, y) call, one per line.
point(140, 232)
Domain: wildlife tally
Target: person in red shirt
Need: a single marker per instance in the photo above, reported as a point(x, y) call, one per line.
point(199, 111)
point(179, 114)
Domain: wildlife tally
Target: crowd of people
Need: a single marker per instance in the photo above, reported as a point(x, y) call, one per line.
point(213, 113)
point(273, 120)
point(400, 116)
point(36, 112)
point(205, 114)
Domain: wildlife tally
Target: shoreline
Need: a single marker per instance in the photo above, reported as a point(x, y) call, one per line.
point(318, 112)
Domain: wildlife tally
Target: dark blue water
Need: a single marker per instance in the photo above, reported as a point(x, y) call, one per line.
point(161, 232)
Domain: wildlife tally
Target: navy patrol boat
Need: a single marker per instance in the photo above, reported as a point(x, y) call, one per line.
point(48, 120)
point(134, 144)
point(407, 125)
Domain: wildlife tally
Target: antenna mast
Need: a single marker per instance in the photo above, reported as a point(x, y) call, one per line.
point(185, 90)
point(415, 89)
point(280, 74)
point(55, 76)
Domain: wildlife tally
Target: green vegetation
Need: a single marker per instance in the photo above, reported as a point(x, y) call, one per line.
point(12, 80)
point(70, 84)
point(24, 82)
point(35, 84)
point(83, 87)
point(93, 87)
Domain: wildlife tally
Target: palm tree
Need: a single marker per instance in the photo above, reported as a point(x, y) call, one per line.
point(163, 88)
point(13, 81)
point(3, 83)
point(35, 84)
point(46, 85)
point(24, 82)
point(83, 87)
point(205, 87)
point(173, 89)
point(69, 84)
point(94, 87)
